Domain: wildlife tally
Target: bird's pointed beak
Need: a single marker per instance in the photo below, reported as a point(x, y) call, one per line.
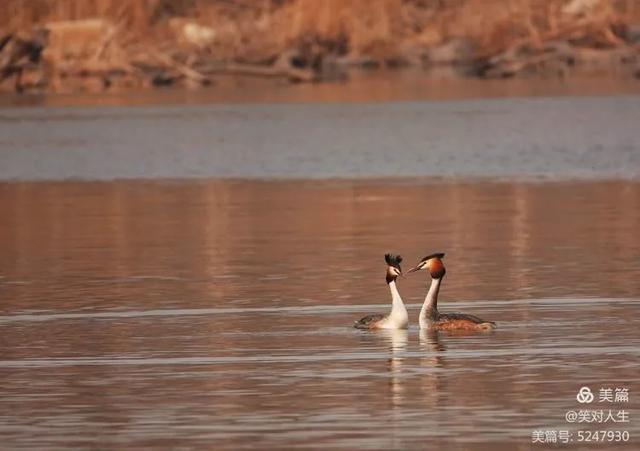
point(414, 269)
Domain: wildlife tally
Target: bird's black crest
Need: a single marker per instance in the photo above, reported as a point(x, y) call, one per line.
point(434, 255)
point(393, 260)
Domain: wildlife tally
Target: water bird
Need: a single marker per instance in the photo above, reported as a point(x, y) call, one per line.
point(430, 317)
point(398, 318)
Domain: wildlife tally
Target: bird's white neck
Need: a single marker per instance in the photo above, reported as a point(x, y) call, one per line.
point(399, 315)
point(429, 311)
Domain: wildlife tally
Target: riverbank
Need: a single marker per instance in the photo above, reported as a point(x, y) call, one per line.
point(76, 47)
point(407, 84)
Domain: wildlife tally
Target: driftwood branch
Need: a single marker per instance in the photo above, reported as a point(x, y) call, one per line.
point(291, 73)
point(184, 70)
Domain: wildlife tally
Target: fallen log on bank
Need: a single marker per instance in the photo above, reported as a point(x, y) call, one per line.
point(191, 75)
point(293, 74)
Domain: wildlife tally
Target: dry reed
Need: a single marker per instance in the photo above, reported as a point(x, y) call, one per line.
point(369, 26)
point(266, 32)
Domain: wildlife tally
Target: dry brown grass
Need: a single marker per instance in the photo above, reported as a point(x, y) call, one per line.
point(368, 27)
point(18, 14)
point(151, 33)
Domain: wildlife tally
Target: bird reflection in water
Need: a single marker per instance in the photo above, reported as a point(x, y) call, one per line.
point(432, 362)
point(397, 341)
point(432, 347)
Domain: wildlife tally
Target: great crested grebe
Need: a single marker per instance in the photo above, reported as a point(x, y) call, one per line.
point(398, 318)
point(430, 318)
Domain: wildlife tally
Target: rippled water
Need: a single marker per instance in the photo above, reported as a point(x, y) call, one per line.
point(218, 314)
point(507, 138)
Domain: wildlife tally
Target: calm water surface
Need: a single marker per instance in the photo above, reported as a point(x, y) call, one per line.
point(212, 314)
point(552, 138)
